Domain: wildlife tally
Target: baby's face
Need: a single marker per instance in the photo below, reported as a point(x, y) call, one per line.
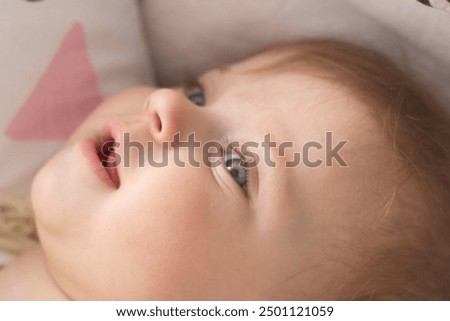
point(198, 232)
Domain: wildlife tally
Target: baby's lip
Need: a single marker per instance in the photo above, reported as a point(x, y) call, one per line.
point(90, 150)
point(107, 151)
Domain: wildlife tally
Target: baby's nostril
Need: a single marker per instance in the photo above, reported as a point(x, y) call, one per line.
point(157, 122)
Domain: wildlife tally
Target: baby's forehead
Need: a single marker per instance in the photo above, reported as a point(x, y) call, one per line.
point(295, 94)
point(296, 105)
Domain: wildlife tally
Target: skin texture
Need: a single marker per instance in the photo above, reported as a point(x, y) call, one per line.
point(192, 233)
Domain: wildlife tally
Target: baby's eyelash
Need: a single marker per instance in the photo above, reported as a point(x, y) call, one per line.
point(247, 157)
point(243, 165)
point(193, 90)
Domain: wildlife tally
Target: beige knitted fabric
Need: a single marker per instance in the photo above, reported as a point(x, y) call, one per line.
point(17, 228)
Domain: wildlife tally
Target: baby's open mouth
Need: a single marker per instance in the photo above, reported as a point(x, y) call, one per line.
point(106, 151)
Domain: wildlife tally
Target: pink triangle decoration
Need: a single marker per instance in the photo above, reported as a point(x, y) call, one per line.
point(64, 95)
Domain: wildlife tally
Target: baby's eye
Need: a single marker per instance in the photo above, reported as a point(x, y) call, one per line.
point(237, 167)
point(196, 95)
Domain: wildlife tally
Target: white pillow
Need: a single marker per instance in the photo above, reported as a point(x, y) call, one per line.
point(189, 37)
point(59, 59)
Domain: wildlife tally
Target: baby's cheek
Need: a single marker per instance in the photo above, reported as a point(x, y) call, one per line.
point(162, 241)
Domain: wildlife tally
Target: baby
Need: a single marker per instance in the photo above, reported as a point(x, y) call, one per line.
point(311, 171)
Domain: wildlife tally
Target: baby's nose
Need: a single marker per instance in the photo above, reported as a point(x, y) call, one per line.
point(168, 114)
